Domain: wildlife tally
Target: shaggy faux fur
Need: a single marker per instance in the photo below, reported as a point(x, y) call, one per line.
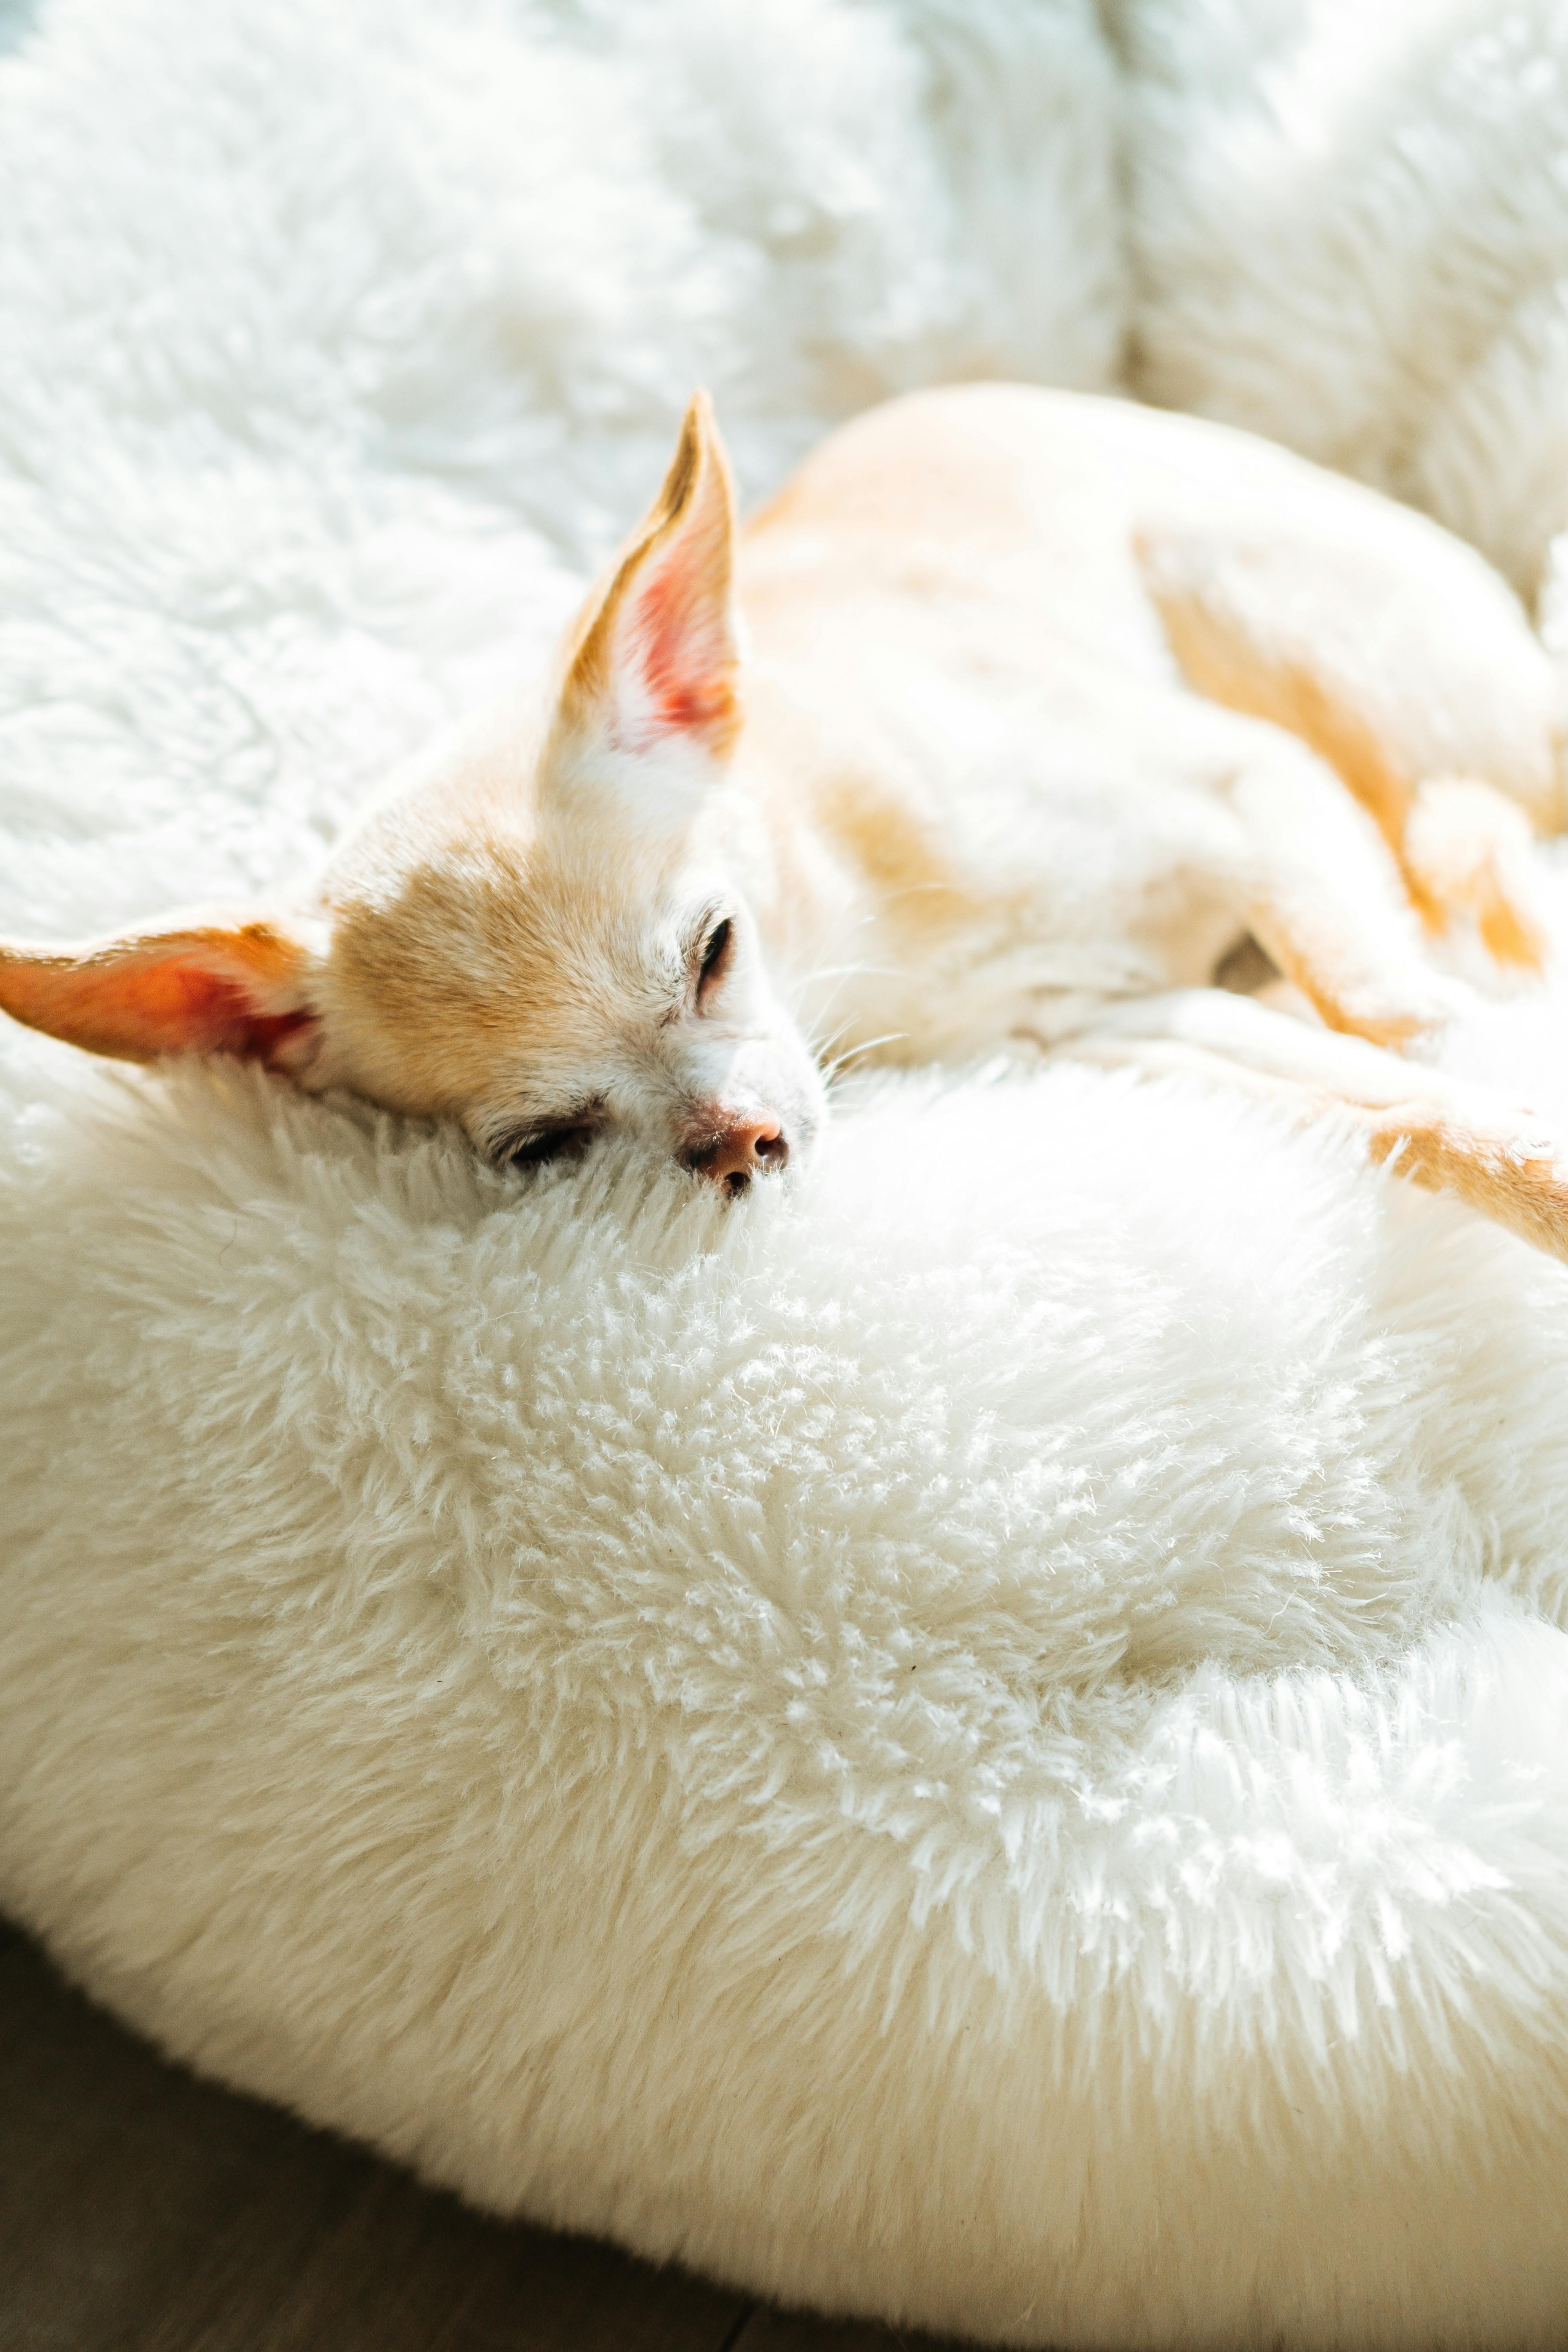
point(980, 1741)
point(1350, 223)
point(983, 1743)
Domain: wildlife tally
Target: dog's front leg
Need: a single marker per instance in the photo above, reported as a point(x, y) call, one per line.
point(1449, 1135)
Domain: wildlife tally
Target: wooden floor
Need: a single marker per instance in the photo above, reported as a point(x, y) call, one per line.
point(143, 2211)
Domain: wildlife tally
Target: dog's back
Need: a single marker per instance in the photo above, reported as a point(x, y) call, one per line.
point(1011, 647)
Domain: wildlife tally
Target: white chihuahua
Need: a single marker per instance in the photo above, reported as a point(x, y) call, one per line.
point(1050, 703)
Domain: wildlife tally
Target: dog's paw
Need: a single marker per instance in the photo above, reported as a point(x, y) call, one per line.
point(1417, 1020)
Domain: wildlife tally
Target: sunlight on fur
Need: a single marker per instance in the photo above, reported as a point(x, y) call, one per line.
point(978, 1743)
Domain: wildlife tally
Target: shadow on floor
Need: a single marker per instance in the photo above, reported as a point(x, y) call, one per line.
point(142, 2210)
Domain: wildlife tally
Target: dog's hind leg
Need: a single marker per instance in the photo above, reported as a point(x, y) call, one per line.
point(1399, 657)
point(1324, 899)
point(1446, 1134)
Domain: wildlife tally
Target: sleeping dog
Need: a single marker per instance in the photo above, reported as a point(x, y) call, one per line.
point(1047, 705)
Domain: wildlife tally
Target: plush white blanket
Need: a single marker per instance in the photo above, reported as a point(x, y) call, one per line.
point(983, 1740)
point(1350, 223)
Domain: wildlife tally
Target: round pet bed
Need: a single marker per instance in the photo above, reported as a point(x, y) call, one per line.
point(979, 1742)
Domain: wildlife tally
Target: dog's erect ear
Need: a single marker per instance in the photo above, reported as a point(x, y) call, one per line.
point(204, 989)
point(654, 655)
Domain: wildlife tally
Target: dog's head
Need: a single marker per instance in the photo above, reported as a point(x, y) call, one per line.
point(543, 935)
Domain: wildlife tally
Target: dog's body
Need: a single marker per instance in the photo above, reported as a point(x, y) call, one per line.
point(987, 626)
point(1048, 704)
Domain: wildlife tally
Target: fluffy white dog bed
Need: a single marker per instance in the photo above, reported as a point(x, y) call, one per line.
point(1349, 225)
point(980, 1741)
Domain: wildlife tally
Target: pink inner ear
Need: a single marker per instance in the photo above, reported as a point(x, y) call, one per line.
point(217, 1017)
point(686, 657)
point(139, 1003)
point(182, 1006)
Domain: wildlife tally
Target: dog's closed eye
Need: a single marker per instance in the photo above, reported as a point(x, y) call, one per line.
point(565, 1142)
